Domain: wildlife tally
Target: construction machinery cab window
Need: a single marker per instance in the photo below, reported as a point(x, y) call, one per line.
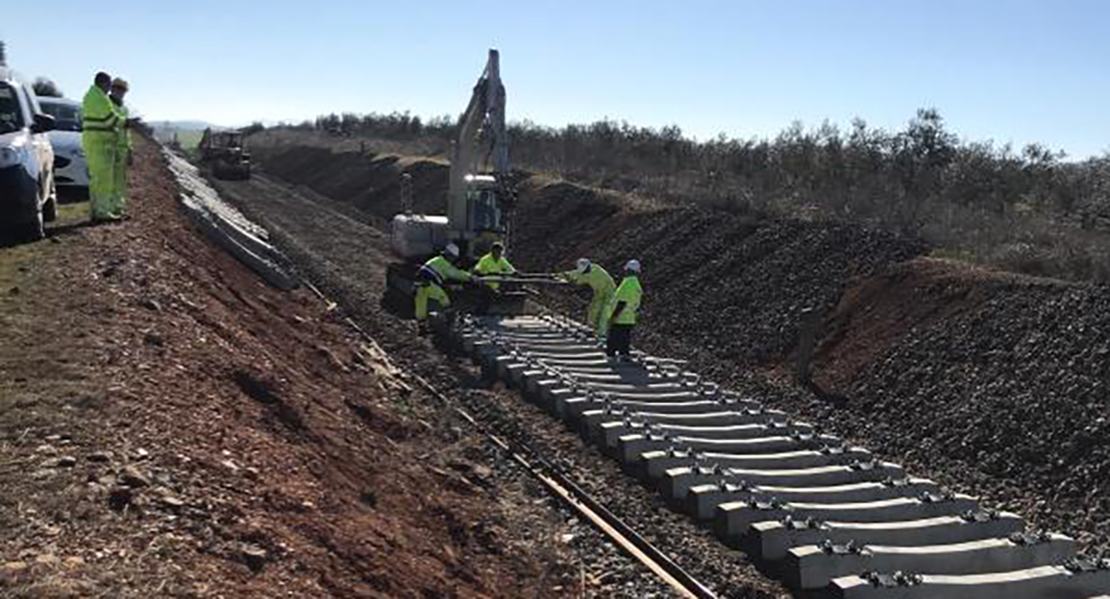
point(487, 214)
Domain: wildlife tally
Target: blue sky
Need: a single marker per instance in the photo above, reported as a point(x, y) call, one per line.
point(1011, 71)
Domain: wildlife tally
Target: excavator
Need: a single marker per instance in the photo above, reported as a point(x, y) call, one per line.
point(479, 201)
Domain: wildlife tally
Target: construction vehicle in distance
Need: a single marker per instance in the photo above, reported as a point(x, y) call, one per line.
point(223, 153)
point(479, 200)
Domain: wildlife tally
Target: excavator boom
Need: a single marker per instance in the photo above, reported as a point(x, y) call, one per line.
point(482, 126)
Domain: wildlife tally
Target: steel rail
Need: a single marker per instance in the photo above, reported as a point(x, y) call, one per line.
point(560, 485)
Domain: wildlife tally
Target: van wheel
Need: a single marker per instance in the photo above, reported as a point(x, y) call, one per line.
point(36, 229)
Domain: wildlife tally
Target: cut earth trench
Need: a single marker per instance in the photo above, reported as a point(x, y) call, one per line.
point(991, 383)
point(317, 234)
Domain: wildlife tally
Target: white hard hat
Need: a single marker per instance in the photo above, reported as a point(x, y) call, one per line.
point(632, 266)
point(582, 265)
point(451, 250)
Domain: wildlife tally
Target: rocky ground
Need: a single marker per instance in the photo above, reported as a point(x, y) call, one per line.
point(1008, 389)
point(993, 384)
point(170, 426)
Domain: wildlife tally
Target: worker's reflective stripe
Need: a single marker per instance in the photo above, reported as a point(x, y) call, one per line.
point(106, 124)
point(109, 116)
point(430, 274)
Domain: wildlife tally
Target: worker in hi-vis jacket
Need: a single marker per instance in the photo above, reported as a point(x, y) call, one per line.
point(431, 280)
point(101, 124)
point(621, 313)
point(123, 148)
point(593, 275)
point(494, 263)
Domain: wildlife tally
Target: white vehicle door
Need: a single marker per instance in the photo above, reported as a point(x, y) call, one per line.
point(40, 142)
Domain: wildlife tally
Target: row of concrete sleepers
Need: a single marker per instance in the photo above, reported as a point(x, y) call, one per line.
point(821, 513)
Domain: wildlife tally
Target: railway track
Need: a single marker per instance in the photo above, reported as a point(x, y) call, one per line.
point(681, 582)
point(827, 518)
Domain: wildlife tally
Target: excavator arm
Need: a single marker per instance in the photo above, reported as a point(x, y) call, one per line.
point(482, 127)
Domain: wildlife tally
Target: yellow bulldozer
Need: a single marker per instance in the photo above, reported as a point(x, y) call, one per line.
point(224, 155)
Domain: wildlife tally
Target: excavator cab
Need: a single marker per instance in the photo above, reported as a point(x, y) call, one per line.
point(417, 237)
point(484, 205)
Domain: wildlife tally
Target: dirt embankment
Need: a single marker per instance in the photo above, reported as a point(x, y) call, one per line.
point(170, 426)
point(1000, 378)
point(365, 180)
point(993, 383)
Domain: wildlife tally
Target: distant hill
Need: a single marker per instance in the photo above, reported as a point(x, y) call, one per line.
point(184, 125)
point(187, 133)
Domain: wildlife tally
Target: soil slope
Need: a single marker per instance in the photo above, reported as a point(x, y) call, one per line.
point(170, 426)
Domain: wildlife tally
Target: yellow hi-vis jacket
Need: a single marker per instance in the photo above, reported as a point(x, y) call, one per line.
point(630, 293)
point(488, 265)
point(100, 120)
point(439, 270)
point(123, 138)
point(597, 278)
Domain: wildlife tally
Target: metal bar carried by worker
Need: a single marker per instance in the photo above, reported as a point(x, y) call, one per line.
point(516, 278)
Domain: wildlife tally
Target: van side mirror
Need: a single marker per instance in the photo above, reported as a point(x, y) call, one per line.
point(43, 123)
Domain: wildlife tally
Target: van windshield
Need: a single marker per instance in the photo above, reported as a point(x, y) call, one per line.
point(67, 117)
point(11, 115)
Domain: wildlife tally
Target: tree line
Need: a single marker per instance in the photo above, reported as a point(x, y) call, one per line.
point(1028, 208)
